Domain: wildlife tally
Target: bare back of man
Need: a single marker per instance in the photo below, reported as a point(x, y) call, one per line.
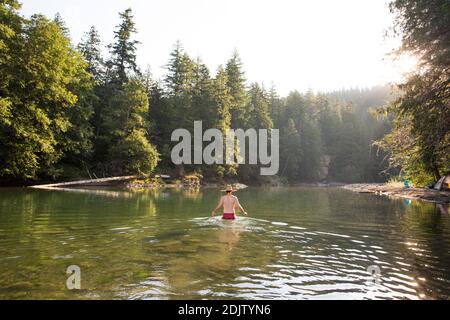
point(229, 202)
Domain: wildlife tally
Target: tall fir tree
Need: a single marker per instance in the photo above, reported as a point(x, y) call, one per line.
point(237, 86)
point(290, 151)
point(202, 101)
point(61, 24)
point(125, 121)
point(91, 49)
point(123, 50)
point(275, 106)
point(257, 113)
point(179, 84)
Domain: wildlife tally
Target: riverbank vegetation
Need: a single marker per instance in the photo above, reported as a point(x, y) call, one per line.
point(420, 140)
point(68, 111)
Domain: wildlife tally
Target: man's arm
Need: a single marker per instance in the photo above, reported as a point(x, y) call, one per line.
point(218, 207)
point(240, 207)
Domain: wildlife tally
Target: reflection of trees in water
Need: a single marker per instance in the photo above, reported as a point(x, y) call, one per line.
point(116, 238)
point(192, 193)
point(444, 208)
point(427, 247)
point(49, 230)
point(135, 242)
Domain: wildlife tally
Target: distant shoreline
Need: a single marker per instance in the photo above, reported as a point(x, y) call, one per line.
point(427, 195)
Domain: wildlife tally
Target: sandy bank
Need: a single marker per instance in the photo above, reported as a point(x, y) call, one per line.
point(428, 195)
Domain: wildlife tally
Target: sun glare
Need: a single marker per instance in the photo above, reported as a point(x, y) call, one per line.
point(401, 66)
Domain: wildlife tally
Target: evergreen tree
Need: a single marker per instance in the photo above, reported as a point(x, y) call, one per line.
point(91, 50)
point(222, 100)
point(257, 109)
point(123, 50)
point(329, 121)
point(220, 118)
point(275, 106)
point(61, 24)
point(349, 161)
point(134, 154)
point(180, 69)
point(236, 85)
point(290, 151)
point(179, 82)
point(55, 107)
point(202, 100)
point(179, 85)
point(161, 123)
point(125, 122)
point(256, 116)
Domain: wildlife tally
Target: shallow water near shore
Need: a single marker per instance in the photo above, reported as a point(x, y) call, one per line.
point(297, 243)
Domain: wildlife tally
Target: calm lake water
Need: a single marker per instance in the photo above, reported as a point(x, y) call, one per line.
point(298, 243)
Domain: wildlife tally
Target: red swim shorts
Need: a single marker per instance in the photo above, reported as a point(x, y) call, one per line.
point(228, 216)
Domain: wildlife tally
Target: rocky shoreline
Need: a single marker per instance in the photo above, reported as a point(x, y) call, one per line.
point(427, 195)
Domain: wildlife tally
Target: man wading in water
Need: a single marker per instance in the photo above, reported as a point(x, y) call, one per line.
point(229, 202)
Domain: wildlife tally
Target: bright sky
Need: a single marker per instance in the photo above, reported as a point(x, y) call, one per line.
point(296, 44)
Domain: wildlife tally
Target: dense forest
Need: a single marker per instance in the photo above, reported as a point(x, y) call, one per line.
point(67, 111)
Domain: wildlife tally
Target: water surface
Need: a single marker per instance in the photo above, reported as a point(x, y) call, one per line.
point(298, 243)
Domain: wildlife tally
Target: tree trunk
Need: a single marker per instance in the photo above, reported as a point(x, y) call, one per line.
point(83, 182)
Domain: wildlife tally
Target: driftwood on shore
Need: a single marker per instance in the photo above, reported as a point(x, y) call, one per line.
point(443, 183)
point(83, 182)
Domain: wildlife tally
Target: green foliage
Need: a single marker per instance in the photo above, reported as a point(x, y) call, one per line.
point(256, 114)
point(203, 105)
point(180, 72)
point(423, 109)
point(222, 101)
point(43, 100)
point(65, 112)
point(222, 104)
point(236, 84)
point(124, 122)
point(350, 157)
point(290, 150)
point(406, 153)
point(275, 106)
point(123, 50)
point(58, 20)
point(160, 122)
point(134, 154)
point(423, 27)
point(127, 110)
point(91, 50)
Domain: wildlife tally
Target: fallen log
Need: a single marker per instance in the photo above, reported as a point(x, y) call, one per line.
point(82, 182)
